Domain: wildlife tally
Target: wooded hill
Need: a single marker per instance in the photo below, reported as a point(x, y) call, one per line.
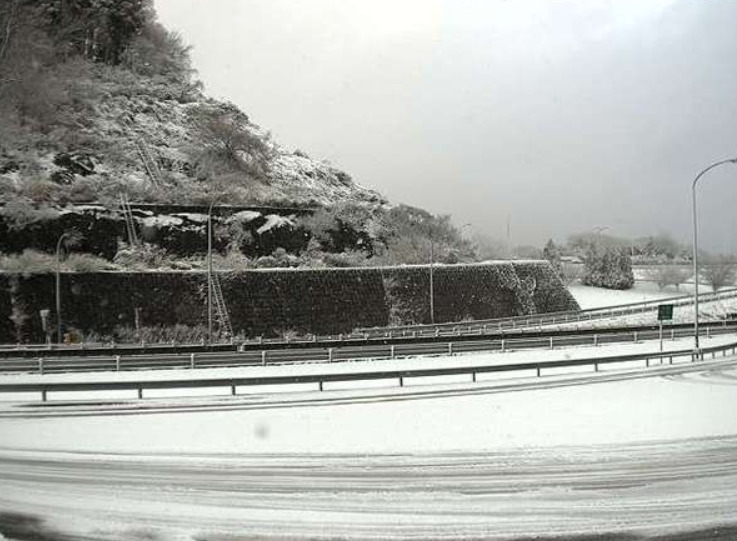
point(98, 100)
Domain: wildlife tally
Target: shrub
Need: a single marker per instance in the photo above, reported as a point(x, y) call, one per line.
point(33, 261)
point(718, 271)
point(666, 275)
point(19, 213)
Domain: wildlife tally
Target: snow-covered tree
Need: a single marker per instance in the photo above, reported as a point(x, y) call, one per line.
point(608, 267)
point(552, 254)
point(718, 271)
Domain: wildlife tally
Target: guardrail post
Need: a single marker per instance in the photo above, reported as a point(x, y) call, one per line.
point(635, 336)
point(450, 348)
point(647, 362)
point(672, 334)
point(551, 342)
point(40, 365)
point(596, 367)
point(140, 393)
point(596, 339)
point(192, 361)
point(473, 377)
point(43, 395)
point(708, 332)
point(486, 329)
point(232, 390)
point(391, 351)
point(330, 354)
point(319, 385)
point(263, 358)
point(117, 363)
point(538, 370)
point(503, 345)
point(437, 331)
point(414, 334)
point(401, 381)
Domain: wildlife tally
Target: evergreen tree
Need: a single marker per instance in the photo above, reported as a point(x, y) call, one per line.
point(608, 267)
point(552, 254)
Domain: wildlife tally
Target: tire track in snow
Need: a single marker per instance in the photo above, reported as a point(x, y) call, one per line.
point(656, 487)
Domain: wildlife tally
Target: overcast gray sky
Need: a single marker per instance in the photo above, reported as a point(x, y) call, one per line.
point(561, 115)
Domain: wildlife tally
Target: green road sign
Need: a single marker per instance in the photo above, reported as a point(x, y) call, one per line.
point(665, 312)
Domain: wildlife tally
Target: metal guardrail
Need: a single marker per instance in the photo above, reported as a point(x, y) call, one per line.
point(400, 375)
point(411, 343)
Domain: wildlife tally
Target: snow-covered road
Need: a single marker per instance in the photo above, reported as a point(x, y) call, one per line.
point(576, 453)
point(654, 488)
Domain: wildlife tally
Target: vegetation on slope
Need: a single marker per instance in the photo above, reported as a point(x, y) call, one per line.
point(98, 101)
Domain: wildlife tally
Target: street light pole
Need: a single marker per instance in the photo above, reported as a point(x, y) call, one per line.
point(695, 256)
point(209, 272)
point(432, 282)
point(58, 287)
point(432, 275)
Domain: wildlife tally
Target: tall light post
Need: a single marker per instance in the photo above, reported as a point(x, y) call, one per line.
point(696, 247)
point(209, 271)
point(432, 282)
point(599, 229)
point(432, 275)
point(58, 286)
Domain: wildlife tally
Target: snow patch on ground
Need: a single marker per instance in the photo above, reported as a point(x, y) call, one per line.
point(162, 220)
point(274, 221)
point(244, 216)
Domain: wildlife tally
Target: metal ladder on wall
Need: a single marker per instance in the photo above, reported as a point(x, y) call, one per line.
point(130, 223)
point(222, 310)
point(149, 163)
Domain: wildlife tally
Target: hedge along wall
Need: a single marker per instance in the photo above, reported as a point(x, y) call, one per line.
point(267, 302)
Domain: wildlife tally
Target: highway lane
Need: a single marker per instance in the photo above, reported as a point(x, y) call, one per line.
point(657, 488)
point(654, 455)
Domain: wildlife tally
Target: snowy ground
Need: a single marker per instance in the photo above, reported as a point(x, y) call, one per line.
point(592, 453)
point(596, 297)
point(627, 450)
